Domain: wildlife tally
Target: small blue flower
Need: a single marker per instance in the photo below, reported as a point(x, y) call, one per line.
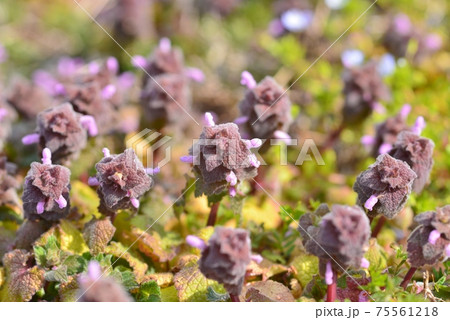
point(386, 65)
point(296, 20)
point(352, 58)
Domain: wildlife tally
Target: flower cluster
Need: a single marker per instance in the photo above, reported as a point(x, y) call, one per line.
point(165, 89)
point(265, 109)
point(221, 159)
point(401, 31)
point(363, 89)
point(63, 131)
point(27, 98)
point(226, 257)
point(46, 190)
point(430, 241)
point(121, 180)
point(418, 153)
point(385, 186)
point(95, 88)
point(387, 132)
point(340, 239)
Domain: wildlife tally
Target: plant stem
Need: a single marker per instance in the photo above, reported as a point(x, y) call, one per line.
point(408, 277)
point(234, 298)
point(213, 214)
point(376, 230)
point(331, 289)
point(332, 138)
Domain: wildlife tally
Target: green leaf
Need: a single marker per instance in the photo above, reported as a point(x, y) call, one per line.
point(40, 255)
point(57, 275)
point(118, 250)
point(125, 277)
point(98, 233)
point(75, 264)
point(306, 266)
point(213, 296)
point(149, 292)
point(192, 285)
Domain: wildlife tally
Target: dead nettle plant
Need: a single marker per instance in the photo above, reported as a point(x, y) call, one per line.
point(94, 88)
point(265, 110)
point(225, 258)
point(63, 131)
point(221, 160)
point(363, 92)
point(165, 90)
point(121, 180)
point(429, 243)
point(402, 31)
point(46, 190)
point(339, 238)
point(384, 188)
point(414, 151)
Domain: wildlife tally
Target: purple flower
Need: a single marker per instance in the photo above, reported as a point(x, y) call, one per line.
point(434, 236)
point(122, 180)
point(339, 240)
point(28, 99)
point(428, 243)
point(276, 28)
point(162, 98)
point(417, 152)
point(398, 35)
point(267, 109)
point(63, 131)
point(226, 257)
point(195, 74)
point(365, 263)
point(363, 89)
point(221, 160)
point(432, 41)
point(328, 274)
point(385, 186)
point(87, 98)
point(402, 24)
point(388, 131)
point(46, 190)
point(196, 242)
point(165, 59)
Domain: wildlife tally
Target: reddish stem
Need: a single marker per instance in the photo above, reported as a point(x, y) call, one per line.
point(234, 298)
point(376, 230)
point(408, 277)
point(332, 137)
point(331, 289)
point(213, 214)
